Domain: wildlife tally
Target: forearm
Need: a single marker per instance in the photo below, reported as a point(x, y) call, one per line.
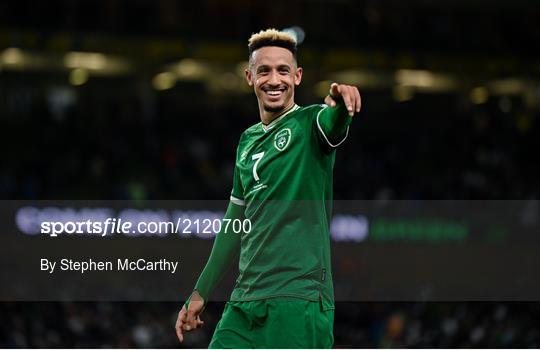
point(334, 121)
point(226, 248)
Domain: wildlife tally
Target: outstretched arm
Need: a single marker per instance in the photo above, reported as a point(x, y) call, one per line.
point(343, 101)
point(226, 248)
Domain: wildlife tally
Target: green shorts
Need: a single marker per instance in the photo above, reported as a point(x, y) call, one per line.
point(274, 323)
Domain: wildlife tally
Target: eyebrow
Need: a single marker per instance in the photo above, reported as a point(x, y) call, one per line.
point(279, 67)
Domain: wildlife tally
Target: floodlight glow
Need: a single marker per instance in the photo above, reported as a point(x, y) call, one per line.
point(297, 32)
point(78, 76)
point(189, 68)
point(410, 77)
point(164, 81)
point(479, 95)
point(12, 56)
point(87, 60)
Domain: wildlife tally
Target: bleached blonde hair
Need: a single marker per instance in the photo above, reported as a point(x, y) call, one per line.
point(272, 37)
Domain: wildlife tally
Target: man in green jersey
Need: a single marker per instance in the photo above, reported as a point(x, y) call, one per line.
point(283, 296)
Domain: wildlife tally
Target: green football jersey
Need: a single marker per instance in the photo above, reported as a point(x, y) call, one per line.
point(283, 177)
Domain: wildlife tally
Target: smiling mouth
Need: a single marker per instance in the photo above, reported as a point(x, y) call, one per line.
point(274, 92)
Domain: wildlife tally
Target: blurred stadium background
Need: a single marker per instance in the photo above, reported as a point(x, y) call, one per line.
point(144, 100)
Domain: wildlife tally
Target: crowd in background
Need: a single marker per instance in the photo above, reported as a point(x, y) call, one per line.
point(177, 145)
point(368, 325)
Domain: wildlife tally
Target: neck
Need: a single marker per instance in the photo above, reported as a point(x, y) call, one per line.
point(267, 117)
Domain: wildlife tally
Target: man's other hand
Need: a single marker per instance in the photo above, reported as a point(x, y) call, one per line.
point(188, 319)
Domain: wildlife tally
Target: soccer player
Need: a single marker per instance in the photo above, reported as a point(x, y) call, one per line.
point(283, 296)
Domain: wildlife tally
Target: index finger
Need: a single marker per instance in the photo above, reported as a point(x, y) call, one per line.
point(334, 90)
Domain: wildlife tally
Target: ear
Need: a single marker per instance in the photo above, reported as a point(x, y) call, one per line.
point(298, 76)
point(249, 77)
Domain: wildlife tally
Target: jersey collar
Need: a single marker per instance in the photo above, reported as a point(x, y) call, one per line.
point(275, 121)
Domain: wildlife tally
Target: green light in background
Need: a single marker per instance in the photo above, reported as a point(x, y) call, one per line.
point(420, 230)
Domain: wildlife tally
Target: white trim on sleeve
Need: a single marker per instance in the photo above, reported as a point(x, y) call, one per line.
point(322, 132)
point(237, 201)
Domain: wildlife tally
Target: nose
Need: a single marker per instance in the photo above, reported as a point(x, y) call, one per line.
point(274, 78)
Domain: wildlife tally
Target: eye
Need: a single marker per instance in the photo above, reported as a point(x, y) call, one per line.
point(263, 71)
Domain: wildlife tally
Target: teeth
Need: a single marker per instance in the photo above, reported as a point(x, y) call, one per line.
point(274, 92)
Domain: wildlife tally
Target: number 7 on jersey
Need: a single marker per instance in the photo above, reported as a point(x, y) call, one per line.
point(257, 158)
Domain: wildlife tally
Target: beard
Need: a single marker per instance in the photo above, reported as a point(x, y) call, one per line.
point(273, 109)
